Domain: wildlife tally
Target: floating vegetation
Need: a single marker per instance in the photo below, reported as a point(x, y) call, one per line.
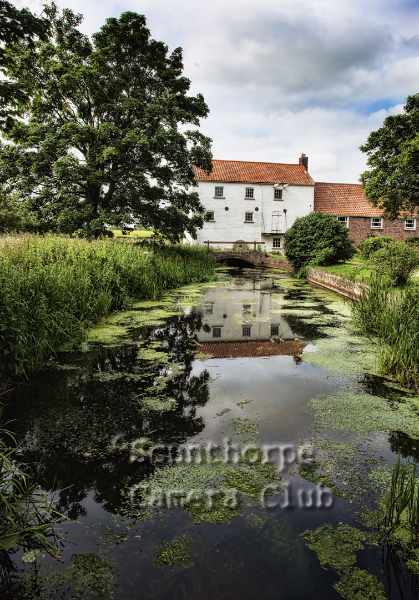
point(244, 427)
point(360, 585)
point(158, 404)
point(88, 576)
point(108, 334)
point(178, 552)
point(341, 352)
point(336, 547)
point(365, 413)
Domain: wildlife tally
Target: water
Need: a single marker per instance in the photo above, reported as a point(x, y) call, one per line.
point(242, 360)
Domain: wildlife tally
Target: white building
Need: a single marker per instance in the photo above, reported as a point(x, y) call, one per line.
point(253, 201)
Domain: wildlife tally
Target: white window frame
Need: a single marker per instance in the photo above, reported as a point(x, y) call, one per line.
point(246, 220)
point(376, 226)
point(217, 193)
point(274, 243)
point(280, 193)
point(249, 193)
point(344, 220)
point(413, 228)
point(210, 212)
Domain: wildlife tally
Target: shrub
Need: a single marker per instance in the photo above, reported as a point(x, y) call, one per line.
point(396, 261)
point(52, 288)
point(413, 241)
point(317, 239)
point(372, 244)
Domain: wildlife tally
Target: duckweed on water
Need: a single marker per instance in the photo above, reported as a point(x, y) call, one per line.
point(336, 547)
point(178, 552)
point(342, 353)
point(243, 427)
point(365, 413)
point(360, 585)
point(88, 576)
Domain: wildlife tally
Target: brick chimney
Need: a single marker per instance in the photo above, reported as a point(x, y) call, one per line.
point(303, 160)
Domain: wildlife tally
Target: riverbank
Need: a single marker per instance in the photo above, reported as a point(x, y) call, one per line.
point(53, 288)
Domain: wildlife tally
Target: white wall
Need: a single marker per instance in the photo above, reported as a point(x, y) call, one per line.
point(229, 226)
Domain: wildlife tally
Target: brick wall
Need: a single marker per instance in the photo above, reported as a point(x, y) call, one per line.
point(360, 229)
point(344, 287)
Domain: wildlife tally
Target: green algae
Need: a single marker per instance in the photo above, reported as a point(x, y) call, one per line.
point(177, 552)
point(88, 576)
point(203, 356)
point(360, 585)
point(158, 404)
point(336, 547)
point(107, 333)
point(342, 353)
point(244, 427)
point(153, 352)
point(365, 413)
point(228, 486)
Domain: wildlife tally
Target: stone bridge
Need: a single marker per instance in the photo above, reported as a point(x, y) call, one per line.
point(249, 254)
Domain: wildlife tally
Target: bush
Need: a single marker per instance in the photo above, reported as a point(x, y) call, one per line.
point(413, 241)
point(396, 261)
point(372, 244)
point(52, 288)
point(317, 239)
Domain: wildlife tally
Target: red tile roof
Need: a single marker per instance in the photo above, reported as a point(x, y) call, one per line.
point(343, 199)
point(240, 171)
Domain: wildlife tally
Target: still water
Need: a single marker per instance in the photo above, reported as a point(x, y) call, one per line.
point(252, 359)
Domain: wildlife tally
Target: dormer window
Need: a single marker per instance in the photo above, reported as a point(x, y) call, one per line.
point(250, 193)
point(277, 193)
point(218, 191)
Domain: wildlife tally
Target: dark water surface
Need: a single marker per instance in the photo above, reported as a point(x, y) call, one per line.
point(172, 380)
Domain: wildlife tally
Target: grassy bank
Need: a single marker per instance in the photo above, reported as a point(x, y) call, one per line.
point(52, 288)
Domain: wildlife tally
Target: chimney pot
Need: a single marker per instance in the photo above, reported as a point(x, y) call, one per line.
point(303, 160)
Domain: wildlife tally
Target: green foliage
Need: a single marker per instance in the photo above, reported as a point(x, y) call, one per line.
point(401, 505)
point(372, 244)
point(97, 129)
point(317, 239)
point(392, 180)
point(26, 516)
point(391, 317)
point(396, 261)
point(413, 241)
point(53, 288)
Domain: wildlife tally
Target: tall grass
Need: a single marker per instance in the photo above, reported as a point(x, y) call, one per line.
point(401, 503)
point(52, 288)
point(391, 317)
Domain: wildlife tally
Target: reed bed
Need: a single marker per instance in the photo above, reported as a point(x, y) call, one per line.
point(52, 288)
point(391, 318)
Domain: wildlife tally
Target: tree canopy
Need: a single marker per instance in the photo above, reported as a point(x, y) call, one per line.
point(392, 180)
point(102, 129)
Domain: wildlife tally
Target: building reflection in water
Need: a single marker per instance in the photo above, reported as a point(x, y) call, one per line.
point(246, 323)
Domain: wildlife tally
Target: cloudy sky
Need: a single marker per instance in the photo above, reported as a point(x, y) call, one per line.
point(283, 77)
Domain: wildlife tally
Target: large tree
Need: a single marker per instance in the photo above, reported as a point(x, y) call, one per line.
point(392, 180)
point(100, 133)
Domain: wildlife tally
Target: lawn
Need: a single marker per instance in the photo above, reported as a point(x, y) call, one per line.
point(355, 269)
point(136, 233)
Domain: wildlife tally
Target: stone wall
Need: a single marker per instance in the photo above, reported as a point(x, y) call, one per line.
point(345, 287)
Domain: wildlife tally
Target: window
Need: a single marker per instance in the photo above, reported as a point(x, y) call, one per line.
point(216, 332)
point(250, 193)
point(209, 308)
point(246, 330)
point(344, 221)
point(410, 224)
point(277, 194)
point(274, 330)
point(209, 216)
point(276, 243)
point(248, 217)
point(376, 222)
point(247, 308)
point(218, 191)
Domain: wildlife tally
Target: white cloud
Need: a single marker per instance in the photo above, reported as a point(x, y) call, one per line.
point(282, 77)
